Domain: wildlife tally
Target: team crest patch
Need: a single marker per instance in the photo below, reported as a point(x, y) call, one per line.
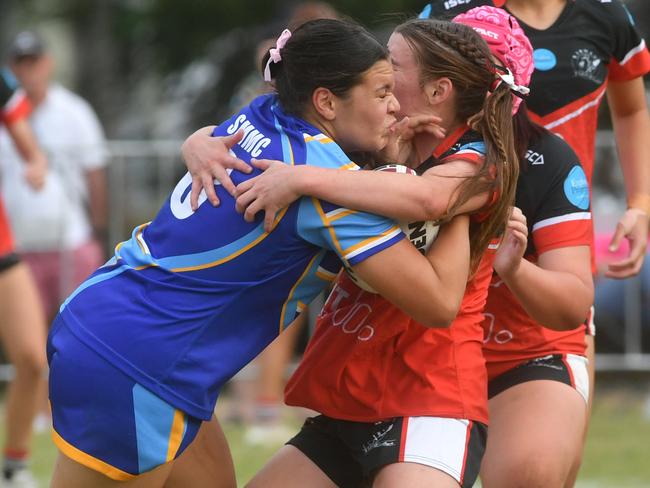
point(586, 64)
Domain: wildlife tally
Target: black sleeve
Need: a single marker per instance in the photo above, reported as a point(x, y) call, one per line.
point(562, 215)
point(626, 37)
point(7, 88)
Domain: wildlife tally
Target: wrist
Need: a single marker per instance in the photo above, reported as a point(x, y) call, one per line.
point(508, 271)
point(303, 180)
point(639, 201)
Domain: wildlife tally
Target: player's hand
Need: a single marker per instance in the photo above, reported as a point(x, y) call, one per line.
point(36, 171)
point(208, 158)
point(512, 248)
point(271, 191)
point(400, 148)
point(634, 227)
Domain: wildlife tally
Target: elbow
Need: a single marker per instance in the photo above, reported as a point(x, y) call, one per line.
point(441, 315)
point(570, 319)
point(432, 207)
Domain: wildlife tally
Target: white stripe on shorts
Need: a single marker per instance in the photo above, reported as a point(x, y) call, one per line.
point(578, 366)
point(437, 442)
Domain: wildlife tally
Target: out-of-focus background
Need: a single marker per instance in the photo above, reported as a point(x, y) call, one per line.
point(156, 70)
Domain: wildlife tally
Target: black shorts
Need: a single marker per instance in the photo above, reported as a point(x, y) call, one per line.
point(569, 369)
point(8, 260)
point(351, 453)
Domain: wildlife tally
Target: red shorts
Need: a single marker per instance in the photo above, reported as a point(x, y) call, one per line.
point(59, 273)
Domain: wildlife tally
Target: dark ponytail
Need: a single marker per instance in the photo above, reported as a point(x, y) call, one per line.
point(327, 53)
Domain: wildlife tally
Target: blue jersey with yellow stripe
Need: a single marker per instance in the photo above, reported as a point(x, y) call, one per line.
point(193, 296)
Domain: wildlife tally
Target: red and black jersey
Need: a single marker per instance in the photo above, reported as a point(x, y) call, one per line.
point(13, 106)
point(592, 42)
point(553, 194)
point(13, 102)
point(369, 361)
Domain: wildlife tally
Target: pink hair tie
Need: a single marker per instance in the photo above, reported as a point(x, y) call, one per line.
point(275, 56)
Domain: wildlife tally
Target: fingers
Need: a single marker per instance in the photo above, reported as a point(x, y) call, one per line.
point(434, 130)
point(238, 164)
point(615, 243)
point(517, 226)
point(401, 125)
point(262, 164)
point(520, 237)
point(269, 218)
point(243, 187)
point(223, 177)
point(251, 211)
point(230, 141)
point(625, 268)
point(629, 266)
point(427, 123)
point(244, 200)
point(200, 182)
point(35, 178)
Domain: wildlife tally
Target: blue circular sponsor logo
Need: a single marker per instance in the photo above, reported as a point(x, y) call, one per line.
point(576, 188)
point(544, 59)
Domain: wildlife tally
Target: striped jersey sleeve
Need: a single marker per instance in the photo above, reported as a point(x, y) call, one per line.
point(563, 216)
point(630, 56)
point(353, 235)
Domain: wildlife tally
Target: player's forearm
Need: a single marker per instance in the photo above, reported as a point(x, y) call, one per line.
point(398, 196)
point(25, 142)
point(449, 257)
point(558, 300)
point(632, 133)
point(428, 289)
point(435, 293)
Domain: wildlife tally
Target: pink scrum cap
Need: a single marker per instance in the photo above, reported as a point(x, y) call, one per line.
point(507, 42)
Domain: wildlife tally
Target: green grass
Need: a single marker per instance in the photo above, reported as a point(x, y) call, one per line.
point(617, 452)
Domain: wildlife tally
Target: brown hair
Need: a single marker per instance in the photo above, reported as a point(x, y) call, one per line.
point(455, 51)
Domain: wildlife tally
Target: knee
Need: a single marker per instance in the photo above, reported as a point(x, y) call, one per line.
point(30, 364)
point(524, 473)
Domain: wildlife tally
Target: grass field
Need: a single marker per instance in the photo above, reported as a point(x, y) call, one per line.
point(617, 454)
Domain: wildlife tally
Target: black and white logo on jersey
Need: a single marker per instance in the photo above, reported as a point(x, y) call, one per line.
point(534, 157)
point(587, 65)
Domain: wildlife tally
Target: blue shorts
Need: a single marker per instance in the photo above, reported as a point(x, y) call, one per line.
point(103, 419)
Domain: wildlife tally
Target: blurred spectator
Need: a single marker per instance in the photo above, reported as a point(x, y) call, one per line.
point(58, 228)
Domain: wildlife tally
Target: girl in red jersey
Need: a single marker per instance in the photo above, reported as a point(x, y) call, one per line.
point(537, 378)
point(573, 74)
point(22, 322)
point(402, 403)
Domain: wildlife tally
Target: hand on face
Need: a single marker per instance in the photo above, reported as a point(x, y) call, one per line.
point(400, 147)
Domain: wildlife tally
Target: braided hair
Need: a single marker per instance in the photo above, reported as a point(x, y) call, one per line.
point(455, 51)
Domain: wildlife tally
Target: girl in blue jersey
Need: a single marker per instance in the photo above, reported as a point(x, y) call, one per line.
point(139, 351)
point(441, 69)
